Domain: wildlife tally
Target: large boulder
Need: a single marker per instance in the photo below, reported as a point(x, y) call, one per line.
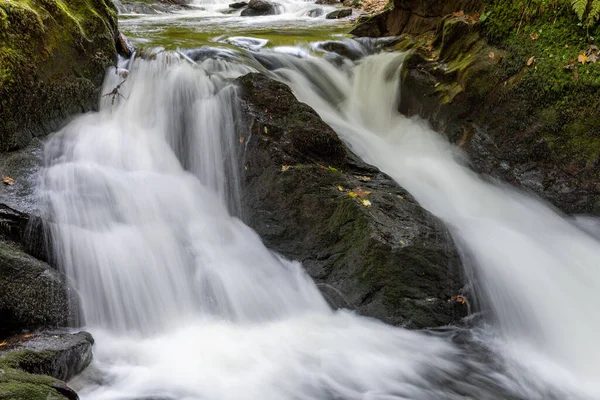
point(34, 366)
point(259, 7)
point(369, 246)
point(33, 295)
point(53, 56)
point(58, 354)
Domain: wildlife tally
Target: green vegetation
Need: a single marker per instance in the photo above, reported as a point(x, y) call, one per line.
point(563, 81)
point(53, 54)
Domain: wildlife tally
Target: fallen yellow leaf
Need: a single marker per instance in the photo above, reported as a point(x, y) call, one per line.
point(363, 178)
point(582, 58)
point(340, 188)
point(284, 168)
point(352, 194)
point(3, 344)
point(534, 36)
point(365, 203)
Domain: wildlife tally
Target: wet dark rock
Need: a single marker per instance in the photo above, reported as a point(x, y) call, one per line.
point(238, 5)
point(391, 260)
point(341, 13)
point(32, 294)
point(59, 354)
point(258, 8)
point(124, 47)
point(314, 13)
point(327, 2)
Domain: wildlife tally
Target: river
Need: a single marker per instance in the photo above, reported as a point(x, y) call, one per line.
point(184, 300)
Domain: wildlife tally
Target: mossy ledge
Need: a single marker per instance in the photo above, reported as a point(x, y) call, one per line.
point(502, 81)
point(53, 55)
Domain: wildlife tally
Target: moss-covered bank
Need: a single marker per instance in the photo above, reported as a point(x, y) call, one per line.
point(505, 80)
point(53, 55)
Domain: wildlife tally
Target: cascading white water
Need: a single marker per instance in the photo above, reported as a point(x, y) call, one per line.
point(537, 270)
point(186, 302)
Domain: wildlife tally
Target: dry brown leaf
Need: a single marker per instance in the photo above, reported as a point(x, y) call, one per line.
point(458, 13)
point(360, 192)
point(534, 36)
point(593, 58)
point(530, 61)
point(242, 139)
point(7, 180)
point(492, 55)
point(363, 178)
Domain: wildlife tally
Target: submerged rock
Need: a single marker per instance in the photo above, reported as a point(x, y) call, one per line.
point(238, 5)
point(53, 59)
point(369, 246)
point(259, 7)
point(341, 13)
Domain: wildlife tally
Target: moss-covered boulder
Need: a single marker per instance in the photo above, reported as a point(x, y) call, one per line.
point(369, 246)
point(53, 55)
point(34, 366)
point(58, 354)
point(506, 83)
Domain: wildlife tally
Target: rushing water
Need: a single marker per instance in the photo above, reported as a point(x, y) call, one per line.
point(186, 302)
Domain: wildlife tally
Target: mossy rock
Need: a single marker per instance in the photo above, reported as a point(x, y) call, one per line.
point(32, 294)
point(53, 55)
point(389, 259)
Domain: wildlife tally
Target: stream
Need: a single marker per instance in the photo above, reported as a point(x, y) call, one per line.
point(186, 303)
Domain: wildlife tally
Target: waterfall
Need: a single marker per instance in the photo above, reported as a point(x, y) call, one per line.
point(186, 302)
point(536, 270)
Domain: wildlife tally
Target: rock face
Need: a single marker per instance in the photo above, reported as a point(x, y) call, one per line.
point(514, 115)
point(341, 13)
point(52, 62)
point(32, 294)
point(390, 259)
point(412, 17)
point(31, 365)
point(330, 2)
point(259, 7)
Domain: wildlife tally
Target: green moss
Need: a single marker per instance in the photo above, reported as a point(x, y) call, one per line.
point(566, 91)
point(47, 48)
